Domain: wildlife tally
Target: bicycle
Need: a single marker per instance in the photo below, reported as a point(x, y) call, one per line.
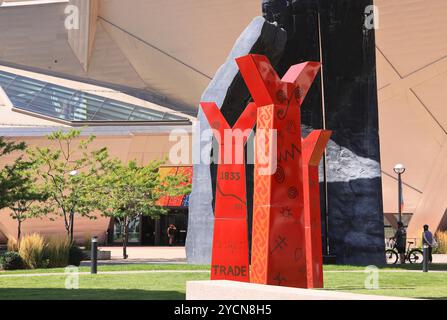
point(412, 255)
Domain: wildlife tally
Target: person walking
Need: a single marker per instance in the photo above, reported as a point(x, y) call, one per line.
point(429, 240)
point(171, 234)
point(400, 238)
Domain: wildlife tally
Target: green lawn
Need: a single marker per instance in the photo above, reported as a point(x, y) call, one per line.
point(169, 286)
point(400, 284)
point(414, 267)
point(172, 285)
point(141, 267)
point(124, 267)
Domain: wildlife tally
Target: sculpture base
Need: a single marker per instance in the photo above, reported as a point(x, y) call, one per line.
point(232, 290)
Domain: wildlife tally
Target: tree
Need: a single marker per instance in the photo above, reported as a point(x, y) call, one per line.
point(7, 182)
point(69, 174)
point(129, 191)
point(22, 196)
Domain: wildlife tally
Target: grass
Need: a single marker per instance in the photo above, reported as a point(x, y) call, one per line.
point(100, 287)
point(146, 267)
point(153, 286)
point(400, 284)
point(124, 267)
point(397, 267)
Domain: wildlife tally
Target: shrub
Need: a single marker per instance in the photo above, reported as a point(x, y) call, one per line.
point(58, 252)
point(12, 245)
point(11, 260)
point(441, 238)
point(88, 242)
point(76, 256)
point(32, 251)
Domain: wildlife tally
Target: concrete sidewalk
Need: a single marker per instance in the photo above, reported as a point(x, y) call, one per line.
point(440, 258)
point(173, 255)
point(144, 255)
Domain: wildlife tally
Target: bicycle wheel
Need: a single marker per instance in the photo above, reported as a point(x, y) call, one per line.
point(415, 256)
point(391, 256)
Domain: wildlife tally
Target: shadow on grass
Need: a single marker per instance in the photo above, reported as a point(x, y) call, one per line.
point(87, 294)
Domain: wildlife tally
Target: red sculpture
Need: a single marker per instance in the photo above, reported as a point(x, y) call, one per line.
point(313, 149)
point(230, 240)
point(280, 247)
point(286, 234)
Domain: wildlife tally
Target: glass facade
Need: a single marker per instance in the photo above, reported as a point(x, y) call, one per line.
point(67, 104)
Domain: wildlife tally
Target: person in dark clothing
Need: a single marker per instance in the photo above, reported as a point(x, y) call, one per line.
point(428, 240)
point(171, 234)
point(400, 238)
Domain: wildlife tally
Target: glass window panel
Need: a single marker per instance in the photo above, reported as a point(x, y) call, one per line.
point(122, 108)
point(80, 115)
point(88, 97)
point(57, 93)
point(27, 85)
point(55, 108)
point(44, 110)
point(86, 105)
point(101, 116)
point(69, 104)
point(53, 100)
point(19, 101)
point(18, 95)
point(5, 79)
point(114, 110)
point(143, 114)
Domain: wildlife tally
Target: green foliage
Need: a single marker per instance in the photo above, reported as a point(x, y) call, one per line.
point(57, 252)
point(32, 250)
point(11, 260)
point(87, 242)
point(8, 180)
point(23, 196)
point(128, 191)
point(68, 174)
point(75, 256)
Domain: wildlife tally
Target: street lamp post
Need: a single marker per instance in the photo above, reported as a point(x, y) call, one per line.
point(399, 169)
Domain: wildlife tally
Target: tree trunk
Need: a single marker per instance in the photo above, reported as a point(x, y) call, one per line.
point(19, 230)
point(71, 226)
point(126, 237)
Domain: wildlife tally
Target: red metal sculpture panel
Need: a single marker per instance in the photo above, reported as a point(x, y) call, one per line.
point(286, 233)
point(230, 240)
point(313, 149)
point(279, 241)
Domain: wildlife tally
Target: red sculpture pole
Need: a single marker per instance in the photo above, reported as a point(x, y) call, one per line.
point(230, 239)
point(278, 239)
point(313, 148)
